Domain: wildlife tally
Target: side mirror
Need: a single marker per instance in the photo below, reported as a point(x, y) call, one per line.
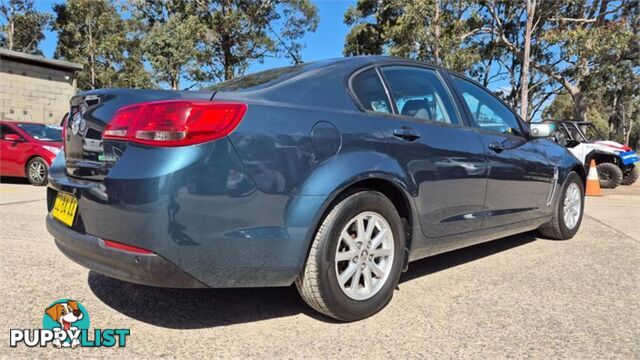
point(542, 130)
point(13, 138)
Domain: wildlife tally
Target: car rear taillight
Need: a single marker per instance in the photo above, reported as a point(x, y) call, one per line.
point(174, 122)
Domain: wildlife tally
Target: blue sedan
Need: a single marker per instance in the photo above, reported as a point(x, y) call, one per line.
point(333, 175)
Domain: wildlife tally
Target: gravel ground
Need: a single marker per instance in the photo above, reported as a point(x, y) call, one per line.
point(520, 296)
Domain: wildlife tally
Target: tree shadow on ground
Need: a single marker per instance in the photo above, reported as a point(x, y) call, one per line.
point(205, 308)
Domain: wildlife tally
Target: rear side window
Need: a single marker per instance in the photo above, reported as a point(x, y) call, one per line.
point(370, 92)
point(419, 93)
point(488, 112)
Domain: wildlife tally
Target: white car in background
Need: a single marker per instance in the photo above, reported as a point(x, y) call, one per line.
point(615, 162)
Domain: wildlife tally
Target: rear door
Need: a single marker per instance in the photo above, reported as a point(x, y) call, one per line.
point(425, 132)
point(520, 175)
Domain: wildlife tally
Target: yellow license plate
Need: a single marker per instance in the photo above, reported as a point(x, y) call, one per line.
point(64, 208)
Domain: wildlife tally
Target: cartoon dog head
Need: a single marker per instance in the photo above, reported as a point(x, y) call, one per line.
point(65, 313)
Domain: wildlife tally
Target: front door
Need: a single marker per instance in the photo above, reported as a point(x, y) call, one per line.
point(11, 153)
point(520, 175)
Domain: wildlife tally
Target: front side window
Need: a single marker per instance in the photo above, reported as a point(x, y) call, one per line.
point(419, 93)
point(370, 92)
point(6, 130)
point(487, 111)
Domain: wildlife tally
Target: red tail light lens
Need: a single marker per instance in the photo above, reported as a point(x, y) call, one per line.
point(175, 122)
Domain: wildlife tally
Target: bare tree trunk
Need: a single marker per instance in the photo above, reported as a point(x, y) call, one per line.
point(10, 33)
point(579, 104)
point(524, 74)
point(487, 72)
point(175, 81)
point(226, 49)
point(436, 23)
point(627, 138)
point(92, 58)
point(613, 116)
point(626, 132)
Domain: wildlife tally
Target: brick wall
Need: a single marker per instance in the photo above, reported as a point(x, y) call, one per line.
point(30, 92)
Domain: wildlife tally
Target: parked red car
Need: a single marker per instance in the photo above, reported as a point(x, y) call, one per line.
point(27, 150)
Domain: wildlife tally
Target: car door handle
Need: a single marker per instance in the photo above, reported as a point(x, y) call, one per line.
point(406, 133)
point(495, 146)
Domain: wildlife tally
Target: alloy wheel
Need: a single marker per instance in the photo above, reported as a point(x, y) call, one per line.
point(572, 206)
point(364, 255)
point(37, 171)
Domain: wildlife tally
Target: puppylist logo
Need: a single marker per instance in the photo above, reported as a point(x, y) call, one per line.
point(65, 324)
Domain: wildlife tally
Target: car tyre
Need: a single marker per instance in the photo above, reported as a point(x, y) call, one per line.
point(631, 177)
point(610, 175)
point(562, 226)
point(319, 284)
point(37, 171)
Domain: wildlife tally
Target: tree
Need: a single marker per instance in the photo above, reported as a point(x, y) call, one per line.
point(94, 34)
point(368, 20)
point(439, 31)
point(239, 32)
point(23, 27)
point(526, 56)
point(622, 92)
point(170, 34)
point(576, 39)
point(170, 47)
point(516, 29)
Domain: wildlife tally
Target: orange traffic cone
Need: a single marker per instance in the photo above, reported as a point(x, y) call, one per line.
point(593, 182)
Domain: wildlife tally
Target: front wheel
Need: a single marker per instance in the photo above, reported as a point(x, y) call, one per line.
point(568, 213)
point(356, 258)
point(37, 171)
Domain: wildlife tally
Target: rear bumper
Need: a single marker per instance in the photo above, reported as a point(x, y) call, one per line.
point(195, 208)
point(90, 252)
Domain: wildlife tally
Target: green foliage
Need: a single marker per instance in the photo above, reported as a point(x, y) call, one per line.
point(93, 33)
point(239, 32)
point(369, 20)
point(23, 27)
point(171, 48)
point(560, 109)
point(222, 37)
point(408, 29)
point(604, 63)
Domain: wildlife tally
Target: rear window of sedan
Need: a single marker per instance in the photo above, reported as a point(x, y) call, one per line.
point(259, 80)
point(370, 92)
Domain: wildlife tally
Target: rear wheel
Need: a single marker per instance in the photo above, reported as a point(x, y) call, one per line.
point(568, 213)
point(609, 174)
point(631, 176)
point(356, 258)
point(37, 171)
